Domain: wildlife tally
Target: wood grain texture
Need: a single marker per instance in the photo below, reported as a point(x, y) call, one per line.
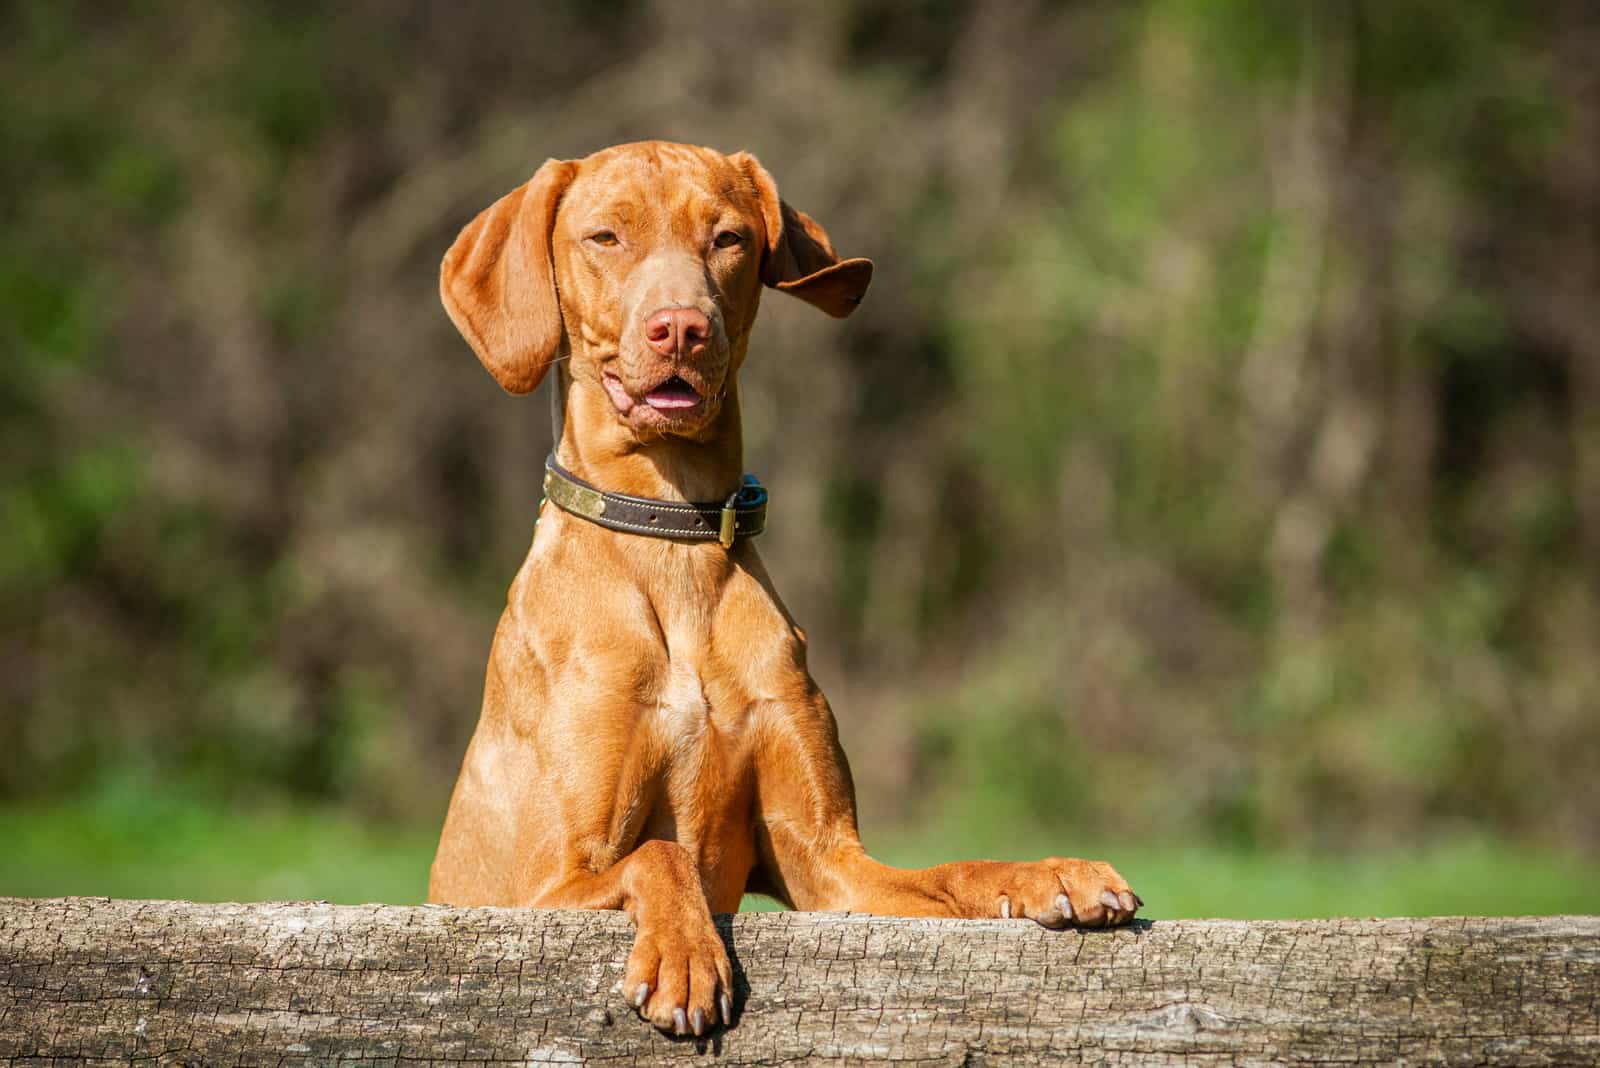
point(95, 980)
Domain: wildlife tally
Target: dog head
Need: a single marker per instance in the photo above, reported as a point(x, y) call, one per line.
point(644, 263)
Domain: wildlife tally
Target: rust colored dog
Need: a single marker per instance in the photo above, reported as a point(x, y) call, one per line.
point(650, 738)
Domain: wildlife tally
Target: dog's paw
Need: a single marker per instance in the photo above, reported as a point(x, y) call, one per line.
point(678, 977)
point(1062, 892)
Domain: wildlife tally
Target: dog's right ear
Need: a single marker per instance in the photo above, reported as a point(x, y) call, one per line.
point(498, 282)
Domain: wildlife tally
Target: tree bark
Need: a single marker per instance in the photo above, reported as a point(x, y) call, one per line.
point(95, 980)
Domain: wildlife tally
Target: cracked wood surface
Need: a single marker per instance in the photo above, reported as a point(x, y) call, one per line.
point(162, 982)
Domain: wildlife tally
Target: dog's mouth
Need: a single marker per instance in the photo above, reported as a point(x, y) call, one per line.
point(673, 395)
point(671, 399)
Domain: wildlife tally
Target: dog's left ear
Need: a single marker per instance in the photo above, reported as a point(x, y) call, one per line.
point(498, 282)
point(798, 258)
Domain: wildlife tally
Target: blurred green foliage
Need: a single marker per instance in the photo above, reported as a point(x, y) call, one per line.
point(1217, 455)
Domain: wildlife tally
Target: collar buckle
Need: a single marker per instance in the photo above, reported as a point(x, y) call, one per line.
point(730, 516)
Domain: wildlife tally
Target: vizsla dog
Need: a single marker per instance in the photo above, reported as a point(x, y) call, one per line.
point(650, 739)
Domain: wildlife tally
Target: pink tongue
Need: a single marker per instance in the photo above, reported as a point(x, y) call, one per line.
point(672, 395)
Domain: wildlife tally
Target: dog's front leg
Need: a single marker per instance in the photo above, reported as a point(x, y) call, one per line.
point(812, 857)
point(678, 975)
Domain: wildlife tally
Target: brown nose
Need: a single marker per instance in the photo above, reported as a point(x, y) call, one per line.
point(677, 332)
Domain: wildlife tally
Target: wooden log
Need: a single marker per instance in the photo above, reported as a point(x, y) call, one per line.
point(96, 980)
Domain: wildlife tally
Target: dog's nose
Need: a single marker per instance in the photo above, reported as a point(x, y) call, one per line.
point(677, 332)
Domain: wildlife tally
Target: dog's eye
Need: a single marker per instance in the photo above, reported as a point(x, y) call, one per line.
point(604, 238)
point(729, 238)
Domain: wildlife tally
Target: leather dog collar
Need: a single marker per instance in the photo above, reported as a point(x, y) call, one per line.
point(742, 515)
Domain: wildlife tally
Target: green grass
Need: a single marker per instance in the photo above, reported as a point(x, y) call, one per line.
point(129, 843)
point(133, 843)
point(1465, 877)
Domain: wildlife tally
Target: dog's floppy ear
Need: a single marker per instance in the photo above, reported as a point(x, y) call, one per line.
point(498, 283)
point(798, 258)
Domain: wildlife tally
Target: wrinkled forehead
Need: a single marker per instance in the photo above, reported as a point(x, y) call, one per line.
point(656, 184)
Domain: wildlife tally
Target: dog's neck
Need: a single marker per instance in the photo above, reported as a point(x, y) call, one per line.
point(596, 447)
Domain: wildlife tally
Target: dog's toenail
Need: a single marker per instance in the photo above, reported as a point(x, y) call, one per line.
point(1064, 905)
point(699, 1021)
point(727, 1008)
point(1126, 897)
point(1005, 908)
point(641, 995)
point(680, 1022)
point(1139, 901)
point(1109, 900)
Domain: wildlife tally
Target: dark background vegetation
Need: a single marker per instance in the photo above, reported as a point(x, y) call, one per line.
point(1216, 458)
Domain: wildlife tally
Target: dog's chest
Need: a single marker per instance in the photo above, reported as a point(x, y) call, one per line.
point(693, 697)
point(698, 711)
point(682, 712)
point(706, 784)
point(696, 707)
